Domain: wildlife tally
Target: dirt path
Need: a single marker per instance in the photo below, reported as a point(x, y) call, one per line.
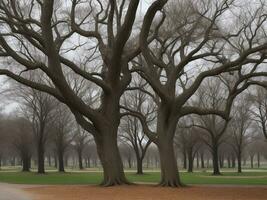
point(12, 192)
point(145, 192)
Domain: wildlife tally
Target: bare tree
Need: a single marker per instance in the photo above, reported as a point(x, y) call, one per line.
point(259, 108)
point(46, 28)
point(52, 37)
point(189, 140)
point(239, 128)
point(22, 139)
point(62, 133)
point(190, 46)
point(38, 107)
point(131, 128)
point(80, 140)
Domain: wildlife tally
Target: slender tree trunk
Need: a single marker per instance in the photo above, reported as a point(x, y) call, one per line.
point(26, 160)
point(239, 162)
point(221, 161)
point(55, 161)
point(129, 162)
point(139, 166)
point(202, 160)
point(251, 161)
point(258, 159)
point(41, 158)
point(0, 162)
point(61, 160)
point(66, 160)
point(190, 161)
point(228, 162)
point(80, 158)
point(233, 161)
point(49, 160)
point(215, 160)
point(185, 159)
point(197, 160)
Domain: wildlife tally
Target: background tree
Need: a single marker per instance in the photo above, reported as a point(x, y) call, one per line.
point(38, 107)
point(189, 140)
point(131, 128)
point(62, 133)
point(80, 140)
point(22, 139)
point(183, 55)
point(239, 128)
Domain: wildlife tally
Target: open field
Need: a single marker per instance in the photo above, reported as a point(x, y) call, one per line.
point(94, 177)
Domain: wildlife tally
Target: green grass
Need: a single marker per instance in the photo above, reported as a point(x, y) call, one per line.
point(51, 178)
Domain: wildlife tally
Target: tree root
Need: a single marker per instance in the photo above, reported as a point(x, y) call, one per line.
point(115, 182)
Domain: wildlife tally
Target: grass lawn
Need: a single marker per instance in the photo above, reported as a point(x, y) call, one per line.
point(231, 178)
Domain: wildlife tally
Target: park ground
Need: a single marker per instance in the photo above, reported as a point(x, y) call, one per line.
point(76, 185)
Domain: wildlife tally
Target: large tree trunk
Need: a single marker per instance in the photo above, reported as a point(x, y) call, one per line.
point(166, 127)
point(41, 158)
point(169, 170)
point(215, 160)
point(110, 158)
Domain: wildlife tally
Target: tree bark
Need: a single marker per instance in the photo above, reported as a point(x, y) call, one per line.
point(61, 160)
point(41, 158)
point(215, 160)
point(129, 162)
point(169, 170)
point(184, 159)
point(80, 159)
point(251, 161)
point(110, 158)
point(197, 160)
point(166, 127)
point(55, 160)
point(190, 161)
point(239, 162)
point(233, 161)
point(221, 161)
point(139, 166)
point(49, 160)
point(228, 162)
point(202, 160)
point(26, 163)
point(258, 159)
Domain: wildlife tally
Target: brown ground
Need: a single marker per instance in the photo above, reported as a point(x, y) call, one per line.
point(145, 192)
